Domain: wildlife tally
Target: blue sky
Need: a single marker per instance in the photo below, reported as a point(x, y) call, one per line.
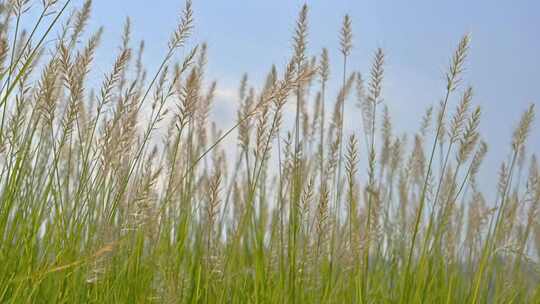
point(418, 38)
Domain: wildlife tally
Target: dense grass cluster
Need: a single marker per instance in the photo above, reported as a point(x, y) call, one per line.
point(94, 207)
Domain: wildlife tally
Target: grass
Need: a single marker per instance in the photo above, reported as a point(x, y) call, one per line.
point(94, 209)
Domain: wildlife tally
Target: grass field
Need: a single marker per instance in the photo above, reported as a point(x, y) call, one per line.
point(96, 208)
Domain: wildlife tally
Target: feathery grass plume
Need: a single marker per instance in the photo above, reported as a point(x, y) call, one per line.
point(299, 58)
point(189, 99)
point(522, 131)
point(244, 120)
point(270, 81)
point(262, 135)
point(266, 133)
point(343, 94)
point(322, 221)
point(158, 208)
point(81, 20)
point(365, 107)
point(4, 51)
point(506, 236)
point(457, 65)
point(374, 99)
point(213, 203)
point(75, 73)
point(345, 37)
point(305, 204)
point(316, 121)
point(417, 162)
point(476, 220)
point(337, 122)
point(396, 156)
point(426, 121)
point(141, 209)
point(442, 131)
point(300, 38)
point(183, 29)
point(518, 140)
point(126, 39)
point(203, 112)
point(386, 138)
point(376, 78)
point(346, 46)
point(19, 50)
point(190, 102)
point(351, 169)
point(126, 33)
point(507, 203)
point(459, 118)
point(324, 74)
point(502, 179)
point(453, 79)
point(470, 137)
point(324, 66)
point(19, 7)
point(48, 90)
point(243, 87)
point(17, 119)
point(213, 209)
point(477, 161)
point(139, 68)
point(370, 101)
point(202, 61)
point(533, 200)
point(177, 40)
point(112, 79)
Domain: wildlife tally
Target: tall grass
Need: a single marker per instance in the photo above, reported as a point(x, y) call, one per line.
point(94, 208)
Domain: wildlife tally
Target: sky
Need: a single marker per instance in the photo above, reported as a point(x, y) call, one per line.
point(418, 38)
